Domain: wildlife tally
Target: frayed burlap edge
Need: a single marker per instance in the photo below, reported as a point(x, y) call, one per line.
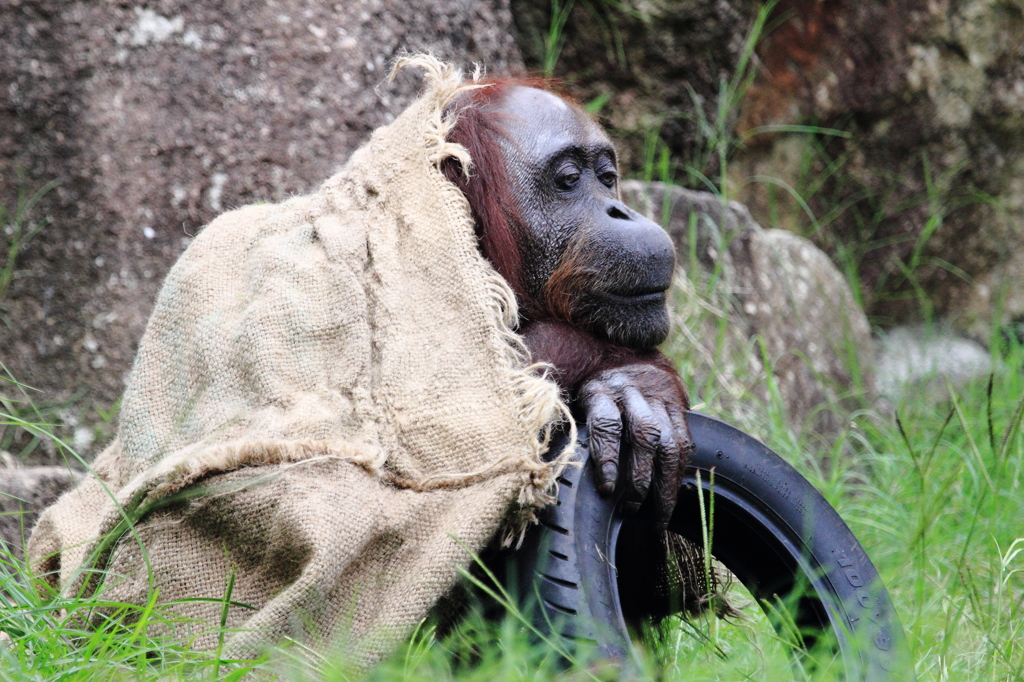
point(540, 407)
point(539, 398)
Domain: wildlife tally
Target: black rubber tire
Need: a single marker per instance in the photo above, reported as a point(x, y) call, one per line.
point(772, 529)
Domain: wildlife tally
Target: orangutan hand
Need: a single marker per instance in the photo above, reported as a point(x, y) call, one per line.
point(638, 411)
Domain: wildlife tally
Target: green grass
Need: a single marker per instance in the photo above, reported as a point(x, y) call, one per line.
point(851, 220)
point(932, 488)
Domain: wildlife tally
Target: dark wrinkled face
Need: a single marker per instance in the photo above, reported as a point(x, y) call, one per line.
point(590, 257)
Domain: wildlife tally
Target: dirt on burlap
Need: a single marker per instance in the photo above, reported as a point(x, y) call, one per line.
point(328, 404)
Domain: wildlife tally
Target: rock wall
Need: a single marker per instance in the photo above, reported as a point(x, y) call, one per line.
point(156, 116)
point(932, 94)
point(652, 63)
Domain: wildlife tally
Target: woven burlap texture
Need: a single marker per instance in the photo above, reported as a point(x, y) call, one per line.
point(328, 403)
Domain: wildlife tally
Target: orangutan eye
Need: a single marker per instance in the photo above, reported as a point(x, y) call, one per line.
point(567, 177)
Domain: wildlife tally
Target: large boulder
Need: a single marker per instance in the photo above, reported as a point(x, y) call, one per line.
point(915, 362)
point(771, 301)
point(156, 116)
point(24, 494)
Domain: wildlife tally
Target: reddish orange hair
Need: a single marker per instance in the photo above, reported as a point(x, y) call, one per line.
point(486, 186)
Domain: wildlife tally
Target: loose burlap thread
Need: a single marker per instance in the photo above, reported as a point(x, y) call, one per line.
point(328, 404)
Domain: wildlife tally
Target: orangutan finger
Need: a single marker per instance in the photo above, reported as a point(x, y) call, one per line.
point(682, 433)
point(644, 436)
point(604, 427)
point(665, 486)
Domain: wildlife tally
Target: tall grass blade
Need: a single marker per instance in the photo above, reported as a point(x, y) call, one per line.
point(1011, 429)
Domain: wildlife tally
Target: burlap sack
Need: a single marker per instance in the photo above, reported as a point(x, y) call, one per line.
point(328, 403)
